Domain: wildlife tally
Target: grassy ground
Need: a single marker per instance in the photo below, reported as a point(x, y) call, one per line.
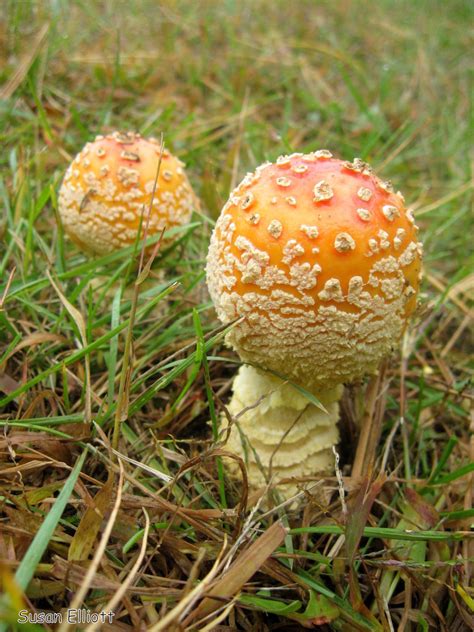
point(230, 84)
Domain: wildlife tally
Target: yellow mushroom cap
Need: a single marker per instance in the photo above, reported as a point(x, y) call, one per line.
point(321, 259)
point(110, 181)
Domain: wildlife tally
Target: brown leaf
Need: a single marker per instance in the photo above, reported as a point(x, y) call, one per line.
point(8, 384)
point(427, 513)
point(89, 527)
point(37, 338)
point(24, 467)
point(58, 450)
point(245, 566)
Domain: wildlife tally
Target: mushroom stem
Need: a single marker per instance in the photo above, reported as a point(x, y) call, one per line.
point(278, 431)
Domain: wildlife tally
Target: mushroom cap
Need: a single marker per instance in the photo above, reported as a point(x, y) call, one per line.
point(110, 181)
point(320, 257)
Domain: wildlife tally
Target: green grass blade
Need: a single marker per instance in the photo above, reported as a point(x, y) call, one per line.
point(388, 533)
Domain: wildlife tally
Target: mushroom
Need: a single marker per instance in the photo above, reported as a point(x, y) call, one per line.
point(109, 183)
point(317, 260)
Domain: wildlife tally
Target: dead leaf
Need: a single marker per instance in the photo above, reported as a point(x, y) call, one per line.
point(33, 340)
point(8, 384)
point(245, 566)
point(86, 533)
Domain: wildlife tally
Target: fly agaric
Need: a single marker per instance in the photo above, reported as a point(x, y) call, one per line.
point(318, 261)
point(109, 183)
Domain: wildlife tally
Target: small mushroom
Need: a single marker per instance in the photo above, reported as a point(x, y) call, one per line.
point(323, 288)
point(109, 183)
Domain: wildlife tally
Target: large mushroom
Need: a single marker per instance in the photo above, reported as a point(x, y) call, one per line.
point(111, 181)
point(318, 261)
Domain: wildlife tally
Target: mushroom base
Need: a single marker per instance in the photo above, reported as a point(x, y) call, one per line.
point(281, 435)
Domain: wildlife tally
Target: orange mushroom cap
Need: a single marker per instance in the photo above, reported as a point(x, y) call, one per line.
point(321, 259)
point(110, 181)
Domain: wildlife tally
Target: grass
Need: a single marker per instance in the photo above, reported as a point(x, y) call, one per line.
point(229, 85)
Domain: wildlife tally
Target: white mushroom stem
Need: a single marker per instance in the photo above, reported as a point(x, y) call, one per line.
point(278, 431)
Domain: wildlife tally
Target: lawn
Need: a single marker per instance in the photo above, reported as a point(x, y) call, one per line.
point(115, 488)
